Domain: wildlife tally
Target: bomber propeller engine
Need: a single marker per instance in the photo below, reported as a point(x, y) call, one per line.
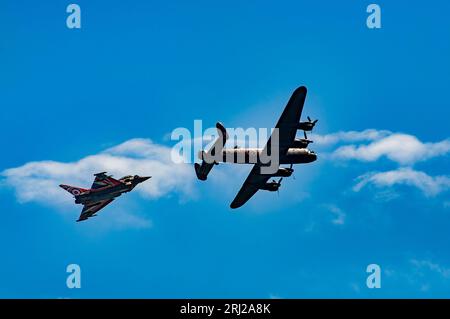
point(301, 142)
point(307, 126)
point(272, 186)
point(284, 171)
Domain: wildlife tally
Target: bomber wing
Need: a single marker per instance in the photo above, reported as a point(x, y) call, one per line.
point(287, 124)
point(287, 127)
point(251, 185)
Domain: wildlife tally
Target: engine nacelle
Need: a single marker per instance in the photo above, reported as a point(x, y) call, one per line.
point(305, 126)
point(271, 187)
point(283, 172)
point(301, 143)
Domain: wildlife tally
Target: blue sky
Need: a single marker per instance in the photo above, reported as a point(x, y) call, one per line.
point(118, 86)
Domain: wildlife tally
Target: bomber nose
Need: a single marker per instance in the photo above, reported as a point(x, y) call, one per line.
point(143, 178)
point(312, 156)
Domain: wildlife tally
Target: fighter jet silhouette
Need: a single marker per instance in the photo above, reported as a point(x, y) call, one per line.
point(103, 191)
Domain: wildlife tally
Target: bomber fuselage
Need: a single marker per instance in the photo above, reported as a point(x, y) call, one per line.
point(255, 155)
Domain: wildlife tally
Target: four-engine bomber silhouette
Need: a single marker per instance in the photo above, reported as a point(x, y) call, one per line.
point(103, 191)
point(291, 150)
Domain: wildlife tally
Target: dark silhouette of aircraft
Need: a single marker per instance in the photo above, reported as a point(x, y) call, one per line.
point(103, 191)
point(291, 150)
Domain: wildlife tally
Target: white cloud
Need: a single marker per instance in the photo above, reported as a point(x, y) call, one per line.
point(401, 148)
point(429, 185)
point(404, 149)
point(349, 136)
point(38, 181)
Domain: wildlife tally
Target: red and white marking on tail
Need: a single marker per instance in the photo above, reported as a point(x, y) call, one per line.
point(75, 191)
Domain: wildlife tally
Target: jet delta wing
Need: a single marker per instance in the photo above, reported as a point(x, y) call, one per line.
point(287, 128)
point(90, 209)
point(103, 180)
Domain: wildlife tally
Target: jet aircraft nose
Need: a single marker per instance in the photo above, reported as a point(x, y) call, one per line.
point(143, 178)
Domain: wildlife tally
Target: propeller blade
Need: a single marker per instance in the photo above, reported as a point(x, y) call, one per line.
point(304, 133)
point(315, 121)
point(309, 119)
point(279, 182)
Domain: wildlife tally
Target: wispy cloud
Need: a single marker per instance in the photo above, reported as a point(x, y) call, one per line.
point(429, 185)
point(339, 216)
point(422, 274)
point(38, 181)
point(431, 266)
point(119, 219)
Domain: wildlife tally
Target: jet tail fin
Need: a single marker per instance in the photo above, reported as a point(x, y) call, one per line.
point(75, 191)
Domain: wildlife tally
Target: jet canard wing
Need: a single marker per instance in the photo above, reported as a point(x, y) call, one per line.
point(287, 127)
point(251, 185)
point(103, 180)
point(90, 209)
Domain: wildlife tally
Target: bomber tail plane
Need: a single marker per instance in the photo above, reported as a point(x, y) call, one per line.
point(202, 170)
